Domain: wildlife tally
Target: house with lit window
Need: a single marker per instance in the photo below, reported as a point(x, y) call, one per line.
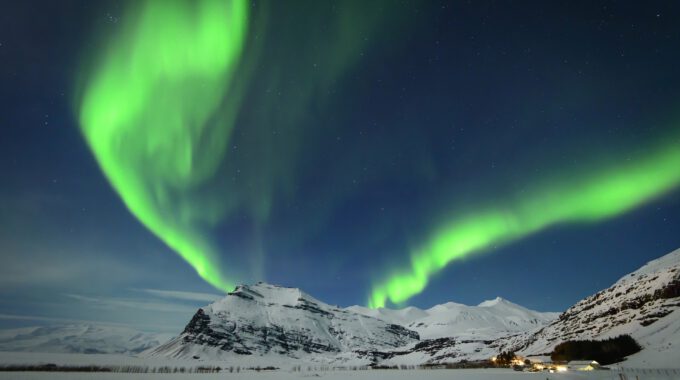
point(583, 365)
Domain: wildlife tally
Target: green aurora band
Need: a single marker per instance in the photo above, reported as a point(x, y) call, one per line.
point(588, 198)
point(157, 114)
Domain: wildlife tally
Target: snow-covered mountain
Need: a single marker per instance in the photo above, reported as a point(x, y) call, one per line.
point(454, 332)
point(79, 338)
point(265, 324)
point(643, 304)
point(489, 320)
point(269, 320)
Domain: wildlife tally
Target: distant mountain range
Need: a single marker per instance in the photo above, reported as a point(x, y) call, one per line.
point(488, 320)
point(267, 324)
point(80, 338)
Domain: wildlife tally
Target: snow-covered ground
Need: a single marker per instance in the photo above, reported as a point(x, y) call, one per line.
point(462, 374)
point(286, 373)
point(662, 345)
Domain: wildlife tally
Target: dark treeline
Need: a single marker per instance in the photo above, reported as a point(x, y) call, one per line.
point(118, 369)
point(238, 369)
point(606, 351)
point(505, 358)
point(53, 368)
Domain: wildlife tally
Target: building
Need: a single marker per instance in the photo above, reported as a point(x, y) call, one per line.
point(583, 365)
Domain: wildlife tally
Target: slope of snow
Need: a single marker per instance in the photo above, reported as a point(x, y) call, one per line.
point(79, 338)
point(662, 345)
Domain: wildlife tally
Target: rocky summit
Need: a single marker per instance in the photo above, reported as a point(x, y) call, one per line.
point(266, 319)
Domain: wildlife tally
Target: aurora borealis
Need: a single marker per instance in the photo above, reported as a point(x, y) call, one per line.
point(156, 118)
point(159, 109)
point(581, 199)
point(378, 153)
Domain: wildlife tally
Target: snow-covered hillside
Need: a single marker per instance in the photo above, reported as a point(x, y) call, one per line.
point(270, 320)
point(643, 304)
point(79, 338)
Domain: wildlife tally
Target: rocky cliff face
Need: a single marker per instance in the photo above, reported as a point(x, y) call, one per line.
point(265, 319)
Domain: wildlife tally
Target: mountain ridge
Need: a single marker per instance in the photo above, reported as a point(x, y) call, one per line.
point(87, 338)
point(266, 324)
point(269, 320)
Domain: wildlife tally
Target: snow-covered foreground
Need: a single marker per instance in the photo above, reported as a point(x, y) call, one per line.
point(462, 374)
point(18, 358)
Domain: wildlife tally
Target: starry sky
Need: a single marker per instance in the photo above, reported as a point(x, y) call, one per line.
point(155, 154)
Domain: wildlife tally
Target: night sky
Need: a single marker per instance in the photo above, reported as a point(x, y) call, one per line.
point(156, 154)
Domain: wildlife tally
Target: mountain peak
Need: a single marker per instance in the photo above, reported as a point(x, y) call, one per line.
point(266, 293)
point(266, 319)
point(495, 301)
point(662, 264)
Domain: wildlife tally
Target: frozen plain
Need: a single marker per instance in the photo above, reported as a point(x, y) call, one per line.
point(476, 374)
point(646, 362)
point(462, 374)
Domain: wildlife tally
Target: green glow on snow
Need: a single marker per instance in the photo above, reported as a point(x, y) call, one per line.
point(153, 115)
point(587, 198)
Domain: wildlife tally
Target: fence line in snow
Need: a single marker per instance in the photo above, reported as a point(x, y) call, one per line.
point(626, 373)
